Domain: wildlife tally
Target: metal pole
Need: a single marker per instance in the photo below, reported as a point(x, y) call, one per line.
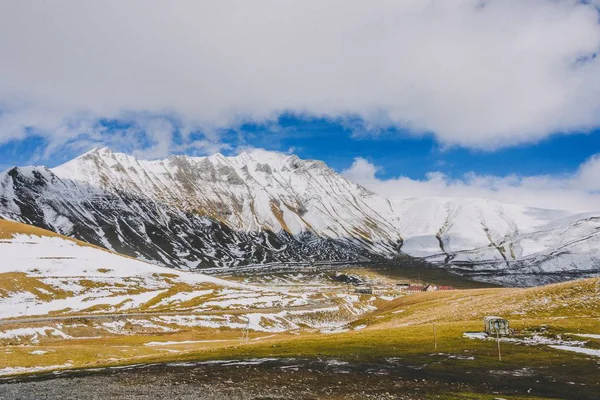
point(27, 303)
point(498, 341)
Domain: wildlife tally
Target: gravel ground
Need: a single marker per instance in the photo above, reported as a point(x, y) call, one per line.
point(274, 379)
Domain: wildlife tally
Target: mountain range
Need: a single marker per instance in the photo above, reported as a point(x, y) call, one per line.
point(261, 207)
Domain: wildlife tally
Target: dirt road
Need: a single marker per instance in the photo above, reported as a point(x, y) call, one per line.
point(116, 316)
point(289, 378)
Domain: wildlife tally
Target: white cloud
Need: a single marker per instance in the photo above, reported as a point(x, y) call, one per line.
point(578, 191)
point(476, 73)
point(146, 135)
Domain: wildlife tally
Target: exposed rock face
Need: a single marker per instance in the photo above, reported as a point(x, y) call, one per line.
point(264, 207)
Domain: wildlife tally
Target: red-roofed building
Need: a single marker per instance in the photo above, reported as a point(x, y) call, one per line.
point(445, 288)
point(415, 288)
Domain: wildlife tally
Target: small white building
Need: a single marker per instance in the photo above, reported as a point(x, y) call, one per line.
point(493, 325)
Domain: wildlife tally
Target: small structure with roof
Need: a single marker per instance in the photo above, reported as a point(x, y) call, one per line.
point(415, 288)
point(493, 325)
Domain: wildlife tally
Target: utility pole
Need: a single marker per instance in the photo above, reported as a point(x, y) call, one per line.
point(246, 331)
point(27, 303)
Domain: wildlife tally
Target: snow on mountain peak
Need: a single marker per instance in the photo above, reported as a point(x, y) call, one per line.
point(249, 191)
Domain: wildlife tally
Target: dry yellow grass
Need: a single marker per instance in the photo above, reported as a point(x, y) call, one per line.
point(406, 334)
point(575, 299)
point(8, 229)
point(176, 288)
point(112, 349)
point(13, 282)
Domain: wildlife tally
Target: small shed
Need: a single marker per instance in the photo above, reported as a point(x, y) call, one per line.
point(496, 325)
point(430, 288)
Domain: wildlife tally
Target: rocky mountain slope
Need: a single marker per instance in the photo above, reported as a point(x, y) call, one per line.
point(265, 207)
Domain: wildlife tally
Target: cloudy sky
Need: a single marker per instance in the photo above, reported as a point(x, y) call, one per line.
point(479, 98)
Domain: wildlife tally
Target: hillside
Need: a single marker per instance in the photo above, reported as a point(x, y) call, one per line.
point(574, 299)
point(50, 284)
point(385, 339)
point(43, 274)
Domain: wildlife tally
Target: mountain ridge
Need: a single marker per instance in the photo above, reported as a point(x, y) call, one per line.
point(267, 207)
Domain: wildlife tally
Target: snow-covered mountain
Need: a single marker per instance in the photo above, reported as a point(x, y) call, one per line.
point(203, 212)
point(264, 207)
point(502, 243)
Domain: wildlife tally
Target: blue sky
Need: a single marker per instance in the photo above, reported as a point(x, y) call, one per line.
point(397, 152)
point(400, 152)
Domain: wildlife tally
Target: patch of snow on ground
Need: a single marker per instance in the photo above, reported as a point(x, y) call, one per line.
point(38, 352)
point(582, 350)
point(475, 335)
point(334, 362)
point(542, 340)
point(114, 326)
point(33, 334)
point(334, 330)
point(586, 335)
point(183, 297)
point(534, 340)
point(152, 344)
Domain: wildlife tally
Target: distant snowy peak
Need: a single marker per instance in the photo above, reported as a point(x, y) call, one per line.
point(451, 225)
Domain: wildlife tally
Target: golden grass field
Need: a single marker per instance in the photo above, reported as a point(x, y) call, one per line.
point(389, 333)
point(401, 328)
